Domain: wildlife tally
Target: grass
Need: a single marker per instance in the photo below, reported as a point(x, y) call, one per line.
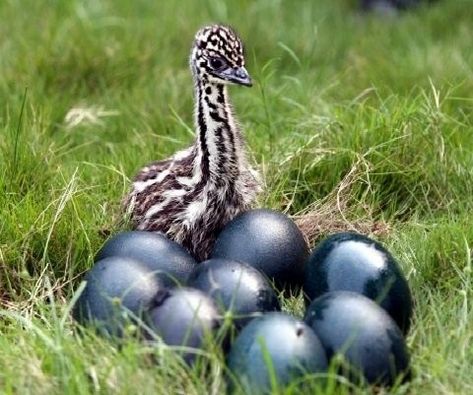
point(355, 120)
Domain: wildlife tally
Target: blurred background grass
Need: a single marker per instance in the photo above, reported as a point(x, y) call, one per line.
point(371, 109)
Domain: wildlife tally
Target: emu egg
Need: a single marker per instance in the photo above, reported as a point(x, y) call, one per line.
point(291, 346)
point(236, 287)
point(168, 259)
point(117, 290)
point(267, 240)
point(350, 324)
point(352, 262)
point(183, 317)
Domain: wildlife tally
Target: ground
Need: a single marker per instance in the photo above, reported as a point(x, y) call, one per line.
point(361, 121)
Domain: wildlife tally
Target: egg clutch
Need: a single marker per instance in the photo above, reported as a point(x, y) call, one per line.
point(358, 303)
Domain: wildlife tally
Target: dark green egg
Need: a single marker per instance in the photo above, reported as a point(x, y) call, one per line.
point(161, 255)
point(118, 291)
point(267, 240)
point(351, 325)
point(278, 342)
point(353, 262)
point(236, 287)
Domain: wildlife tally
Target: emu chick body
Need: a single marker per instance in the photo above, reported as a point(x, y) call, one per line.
point(192, 195)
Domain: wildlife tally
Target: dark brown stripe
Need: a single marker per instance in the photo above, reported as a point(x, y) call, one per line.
point(204, 164)
point(232, 162)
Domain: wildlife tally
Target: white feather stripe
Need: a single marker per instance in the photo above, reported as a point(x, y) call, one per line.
point(174, 193)
point(156, 208)
point(140, 186)
point(183, 154)
point(195, 210)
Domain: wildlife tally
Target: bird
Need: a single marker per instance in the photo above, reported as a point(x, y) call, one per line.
point(192, 195)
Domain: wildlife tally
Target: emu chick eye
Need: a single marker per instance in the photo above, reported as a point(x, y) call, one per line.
point(216, 63)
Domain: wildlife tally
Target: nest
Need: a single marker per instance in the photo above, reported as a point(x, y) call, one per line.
point(320, 221)
point(330, 214)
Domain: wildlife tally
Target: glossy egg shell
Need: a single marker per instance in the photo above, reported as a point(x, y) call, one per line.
point(236, 287)
point(350, 324)
point(267, 240)
point(156, 251)
point(291, 345)
point(118, 290)
point(353, 262)
point(184, 317)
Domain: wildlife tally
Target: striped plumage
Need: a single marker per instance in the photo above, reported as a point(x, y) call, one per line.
point(193, 194)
